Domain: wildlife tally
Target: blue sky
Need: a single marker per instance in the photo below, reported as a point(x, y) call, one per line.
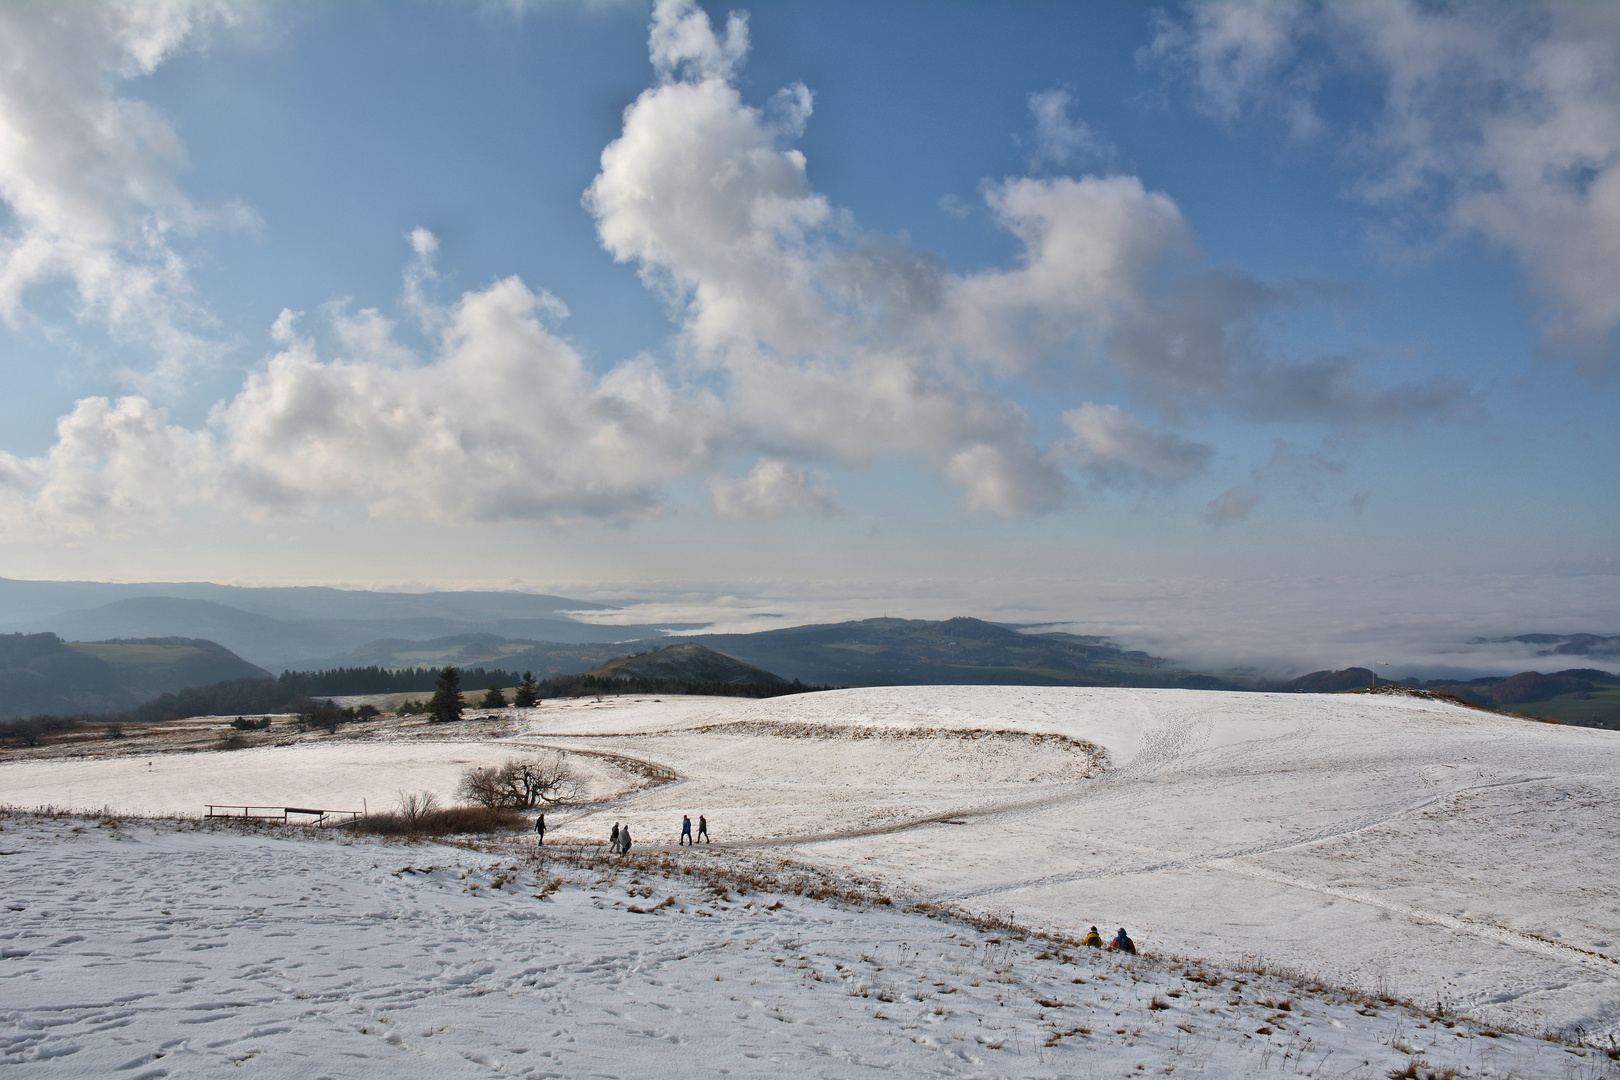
point(1271, 334)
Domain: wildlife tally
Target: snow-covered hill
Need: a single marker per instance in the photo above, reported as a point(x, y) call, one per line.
point(1407, 847)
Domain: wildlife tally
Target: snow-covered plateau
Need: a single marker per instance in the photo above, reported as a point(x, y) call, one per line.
point(1292, 867)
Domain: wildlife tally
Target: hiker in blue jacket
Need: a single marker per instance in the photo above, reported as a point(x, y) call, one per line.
point(1123, 943)
point(686, 831)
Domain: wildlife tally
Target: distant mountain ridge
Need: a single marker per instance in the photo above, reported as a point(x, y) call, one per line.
point(1596, 646)
point(887, 652)
point(869, 652)
point(544, 658)
point(295, 627)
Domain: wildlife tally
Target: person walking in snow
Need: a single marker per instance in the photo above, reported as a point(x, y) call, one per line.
point(703, 829)
point(686, 831)
point(540, 829)
point(1093, 939)
point(1123, 943)
point(613, 840)
point(624, 844)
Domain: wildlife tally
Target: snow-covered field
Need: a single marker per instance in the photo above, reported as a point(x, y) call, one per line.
point(1406, 847)
point(149, 951)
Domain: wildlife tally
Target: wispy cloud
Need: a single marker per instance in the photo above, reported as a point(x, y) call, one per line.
point(1306, 472)
point(1501, 120)
point(1059, 141)
point(1115, 449)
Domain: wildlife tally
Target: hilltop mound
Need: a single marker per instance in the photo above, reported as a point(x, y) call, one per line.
point(1333, 682)
point(686, 662)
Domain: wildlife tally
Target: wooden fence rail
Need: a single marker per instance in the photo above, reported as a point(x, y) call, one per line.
point(284, 814)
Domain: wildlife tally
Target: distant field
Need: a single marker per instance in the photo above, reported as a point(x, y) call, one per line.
point(137, 654)
point(1600, 706)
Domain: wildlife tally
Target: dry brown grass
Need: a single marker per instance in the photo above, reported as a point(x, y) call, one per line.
point(451, 821)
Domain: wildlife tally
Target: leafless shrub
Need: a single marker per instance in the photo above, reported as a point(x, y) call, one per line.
point(33, 730)
point(522, 784)
point(416, 805)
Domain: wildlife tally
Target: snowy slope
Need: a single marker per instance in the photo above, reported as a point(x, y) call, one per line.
point(145, 952)
point(1412, 847)
point(1442, 853)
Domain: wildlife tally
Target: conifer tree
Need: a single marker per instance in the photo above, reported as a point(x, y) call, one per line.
point(447, 704)
point(528, 692)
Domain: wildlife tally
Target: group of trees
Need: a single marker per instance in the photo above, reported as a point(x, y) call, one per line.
point(447, 704)
point(572, 686)
point(493, 799)
point(32, 730)
point(380, 680)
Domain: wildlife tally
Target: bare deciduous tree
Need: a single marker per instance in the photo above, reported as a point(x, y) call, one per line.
point(522, 784)
point(416, 805)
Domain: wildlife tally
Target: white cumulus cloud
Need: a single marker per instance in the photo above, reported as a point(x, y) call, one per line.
point(90, 177)
point(501, 421)
point(771, 489)
point(114, 464)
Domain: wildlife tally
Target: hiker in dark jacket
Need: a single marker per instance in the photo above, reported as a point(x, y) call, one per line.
point(1123, 943)
point(686, 831)
point(613, 840)
point(624, 844)
point(703, 829)
point(1093, 939)
point(540, 829)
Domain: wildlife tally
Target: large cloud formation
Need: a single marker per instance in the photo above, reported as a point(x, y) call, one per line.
point(501, 421)
point(90, 177)
point(850, 349)
point(820, 344)
point(1498, 119)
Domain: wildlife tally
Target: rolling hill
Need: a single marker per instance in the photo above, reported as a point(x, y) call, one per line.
point(687, 662)
point(544, 658)
point(41, 673)
point(1586, 697)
